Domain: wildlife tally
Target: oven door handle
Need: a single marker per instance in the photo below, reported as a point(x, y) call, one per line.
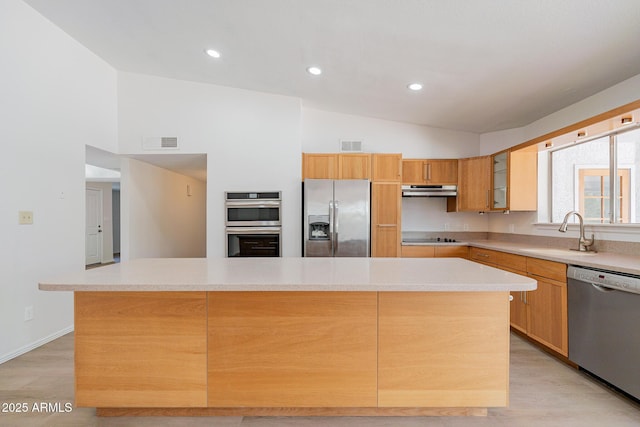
point(256, 204)
point(253, 230)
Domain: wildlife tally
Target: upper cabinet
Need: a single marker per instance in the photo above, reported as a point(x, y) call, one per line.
point(474, 184)
point(522, 194)
point(387, 168)
point(514, 180)
point(319, 166)
point(354, 166)
point(430, 171)
point(336, 166)
point(505, 181)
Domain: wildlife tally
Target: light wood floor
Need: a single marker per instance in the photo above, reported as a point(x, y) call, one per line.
point(544, 392)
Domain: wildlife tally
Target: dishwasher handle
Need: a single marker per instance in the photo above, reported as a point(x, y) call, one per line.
point(601, 288)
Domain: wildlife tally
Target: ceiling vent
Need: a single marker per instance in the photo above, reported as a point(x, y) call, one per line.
point(351, 146)
point(160, 143)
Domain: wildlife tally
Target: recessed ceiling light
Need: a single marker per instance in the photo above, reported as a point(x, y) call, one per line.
point(316, 71)
point(212, 53)
point(415, 86)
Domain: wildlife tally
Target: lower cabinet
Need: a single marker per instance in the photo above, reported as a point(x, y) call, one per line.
point(443, 349)
point(540, 314)
point(430, 251)
point(292, 349)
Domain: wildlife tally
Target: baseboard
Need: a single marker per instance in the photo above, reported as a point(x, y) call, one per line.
point(42, 341)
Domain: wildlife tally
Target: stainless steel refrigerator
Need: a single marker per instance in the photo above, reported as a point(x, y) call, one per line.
point(336, 217)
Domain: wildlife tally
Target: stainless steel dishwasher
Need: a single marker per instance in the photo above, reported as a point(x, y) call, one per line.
point(604, 325)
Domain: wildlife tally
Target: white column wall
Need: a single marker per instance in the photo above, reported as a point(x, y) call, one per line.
point(56, 96)
point(252, 142)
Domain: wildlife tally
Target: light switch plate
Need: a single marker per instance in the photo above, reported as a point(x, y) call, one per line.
point(25, 217)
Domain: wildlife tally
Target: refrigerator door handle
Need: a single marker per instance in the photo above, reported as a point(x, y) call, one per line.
point(331, 222)
point(336, 215)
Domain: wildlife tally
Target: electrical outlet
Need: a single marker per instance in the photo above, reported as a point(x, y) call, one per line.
point(465, 227)
point(28, 313)
point(512, 228)
point(25, 217)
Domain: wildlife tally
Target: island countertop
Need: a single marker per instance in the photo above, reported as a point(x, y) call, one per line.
point(292, 274)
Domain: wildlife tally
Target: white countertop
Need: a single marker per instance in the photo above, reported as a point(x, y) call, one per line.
point(292, 274)
point(603, 260)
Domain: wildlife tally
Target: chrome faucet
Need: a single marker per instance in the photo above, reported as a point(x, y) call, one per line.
point(584, 244)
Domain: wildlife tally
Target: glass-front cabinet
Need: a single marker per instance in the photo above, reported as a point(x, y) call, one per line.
point(500, 180)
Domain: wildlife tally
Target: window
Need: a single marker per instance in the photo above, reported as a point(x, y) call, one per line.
point(581, 176)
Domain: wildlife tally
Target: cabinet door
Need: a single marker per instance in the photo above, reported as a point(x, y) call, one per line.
point(500, 180)
point(474, 180)
point(547, 314)
point(385, 219)
point(518, 311)
point(319, 166)
point(443, 349)
point(387, 167)
point(452, 252)
point(523, 179)
point(418, 251)
point(292, 349)
point(413, 172)
point(441, 172)
point(354, 166)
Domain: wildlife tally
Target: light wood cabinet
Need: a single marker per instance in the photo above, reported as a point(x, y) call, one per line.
point(430, 171)
point(386, 199)
point(452, 252)
point(474, 184)
point(514, 180)
point(387, 168)
point(319, 166)
point(547, 306)
point(292, 349)
point(418, 251)
point(540, 314)
point(336, 166)
point(354, 166)
point(443, 349)
point(431, 251)
point(140, 349)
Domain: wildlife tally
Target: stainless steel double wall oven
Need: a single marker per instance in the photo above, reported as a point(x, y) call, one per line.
point(253, 224)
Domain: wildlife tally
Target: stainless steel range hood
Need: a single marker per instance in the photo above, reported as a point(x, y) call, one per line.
point(429, 190)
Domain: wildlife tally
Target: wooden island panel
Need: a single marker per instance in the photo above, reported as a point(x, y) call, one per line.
point(292, 349)
point(140, 349)
point(443, 349)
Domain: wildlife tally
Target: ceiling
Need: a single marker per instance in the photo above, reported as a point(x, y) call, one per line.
point(486, 65)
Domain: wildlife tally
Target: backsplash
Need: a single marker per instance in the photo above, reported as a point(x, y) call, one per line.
point(623, 248)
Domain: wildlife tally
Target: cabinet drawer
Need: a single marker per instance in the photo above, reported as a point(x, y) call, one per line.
point(452, 251)
point(502, 259)
point(549, 269)
point(418, 251)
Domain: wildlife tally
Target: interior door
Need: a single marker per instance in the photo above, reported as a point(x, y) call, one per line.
point(93, 233)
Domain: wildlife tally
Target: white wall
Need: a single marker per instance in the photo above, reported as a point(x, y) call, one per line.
point(323, 130)
point(430, 214)
point(56, 98)
point(252, 142)
point(107, 219)
point(159, 219)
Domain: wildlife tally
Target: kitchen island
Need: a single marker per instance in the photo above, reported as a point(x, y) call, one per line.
point(292, 336)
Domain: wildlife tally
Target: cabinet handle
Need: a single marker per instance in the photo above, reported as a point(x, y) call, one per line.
point(387, 225)
point(428, 171)
point(484, 255)
point(487, 201)
point(525, 296)
point(510, 298)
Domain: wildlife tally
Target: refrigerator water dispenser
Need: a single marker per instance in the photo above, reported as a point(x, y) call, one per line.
point(319, 227)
